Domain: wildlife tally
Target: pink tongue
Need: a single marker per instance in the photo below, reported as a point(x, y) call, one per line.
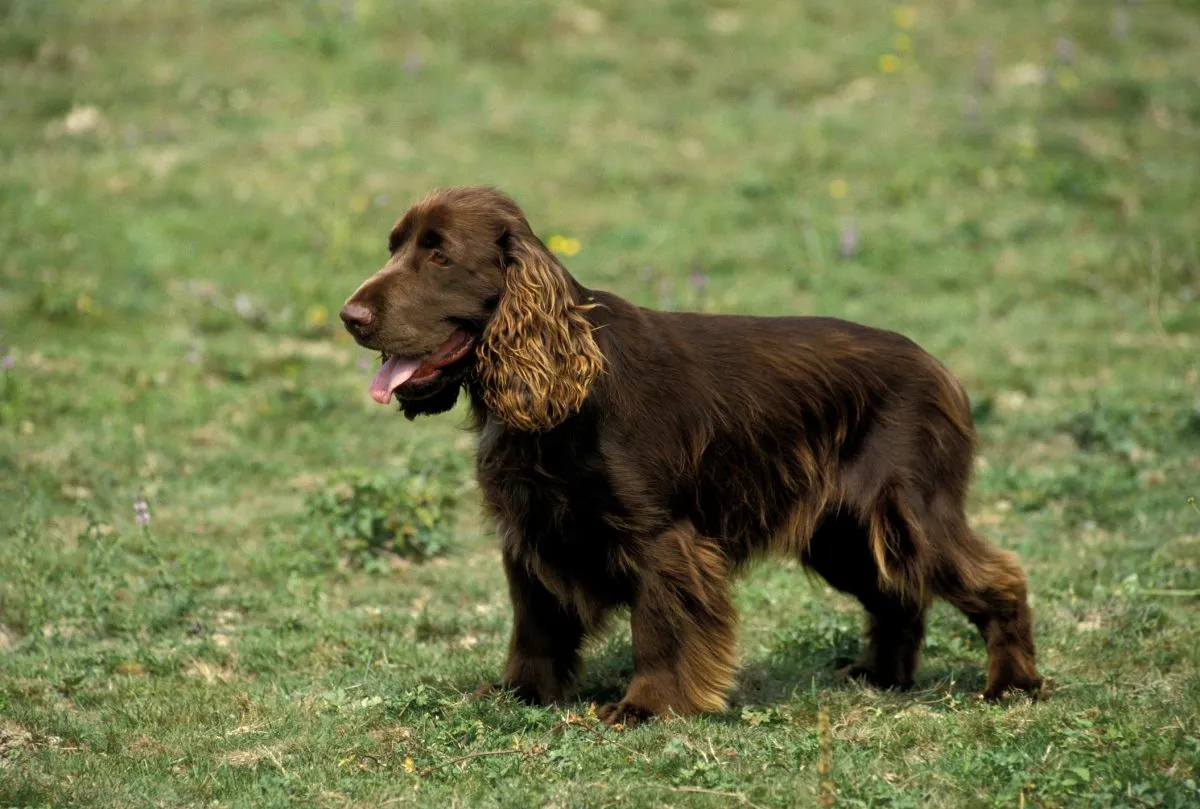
point(394, 373)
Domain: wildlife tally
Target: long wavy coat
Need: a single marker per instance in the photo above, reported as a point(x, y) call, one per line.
point(637, 458)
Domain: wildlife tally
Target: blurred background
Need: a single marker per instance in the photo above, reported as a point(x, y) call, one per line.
point(201, 504)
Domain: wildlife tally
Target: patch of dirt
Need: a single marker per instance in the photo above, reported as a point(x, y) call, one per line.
point(66, 531)
point(145, 746)
point(8, 638)
point(395, 733)
point(213, 434)
point(64, 629)
point(209, 672)
point(251, 757)
point(14, 737)
point(289, 348)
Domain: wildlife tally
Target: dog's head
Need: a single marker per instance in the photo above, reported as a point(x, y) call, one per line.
point(469, 293)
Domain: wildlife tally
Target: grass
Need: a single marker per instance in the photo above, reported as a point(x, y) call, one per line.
point(188, 191)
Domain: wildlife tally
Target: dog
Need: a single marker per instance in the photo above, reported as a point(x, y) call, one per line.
point(638, 458)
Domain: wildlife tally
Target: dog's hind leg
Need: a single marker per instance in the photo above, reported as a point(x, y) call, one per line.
point(988, 585)
point(840, 552)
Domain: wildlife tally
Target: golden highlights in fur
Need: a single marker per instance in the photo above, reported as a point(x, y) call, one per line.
point(537, 356)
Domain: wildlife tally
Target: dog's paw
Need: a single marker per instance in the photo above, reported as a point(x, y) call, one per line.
point(1033, 686)
point(624, 713)
point(528, 694)
point(485, 690)
point(868, 675)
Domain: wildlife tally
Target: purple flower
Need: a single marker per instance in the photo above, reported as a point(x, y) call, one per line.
point(699, 281)
point(243, 306)
point(985, 68)
point(1064, 50)
point(8, 361)
point(848, 241)
point(1120, 23)
point(971, 110)
point(141, 511)
point(664, 294)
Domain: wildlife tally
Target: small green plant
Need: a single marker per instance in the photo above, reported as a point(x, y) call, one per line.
point(406, 514)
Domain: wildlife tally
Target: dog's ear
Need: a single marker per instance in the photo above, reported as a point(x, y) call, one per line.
point(537, 357)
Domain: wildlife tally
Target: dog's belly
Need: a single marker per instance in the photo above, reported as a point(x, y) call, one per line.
point(751, 501)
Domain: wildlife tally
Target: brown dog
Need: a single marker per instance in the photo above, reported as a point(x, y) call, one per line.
point(634, 458)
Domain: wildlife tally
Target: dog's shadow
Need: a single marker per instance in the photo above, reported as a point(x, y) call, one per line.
point(807, 671)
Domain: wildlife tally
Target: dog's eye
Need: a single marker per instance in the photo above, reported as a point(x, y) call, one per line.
point(439, 258)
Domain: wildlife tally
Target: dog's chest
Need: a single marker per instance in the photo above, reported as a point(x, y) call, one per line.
point(556, 511)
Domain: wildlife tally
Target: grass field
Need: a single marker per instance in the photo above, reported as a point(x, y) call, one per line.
point(188, 191)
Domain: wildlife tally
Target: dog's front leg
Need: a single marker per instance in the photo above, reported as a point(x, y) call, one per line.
point(684, 644)
point(543, 652)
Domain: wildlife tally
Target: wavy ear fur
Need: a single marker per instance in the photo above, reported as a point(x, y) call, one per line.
point(537, 356)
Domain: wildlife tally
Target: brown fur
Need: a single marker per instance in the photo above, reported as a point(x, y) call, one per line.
point(635, 458)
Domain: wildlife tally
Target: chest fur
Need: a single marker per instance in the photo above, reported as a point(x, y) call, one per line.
point(557, 513)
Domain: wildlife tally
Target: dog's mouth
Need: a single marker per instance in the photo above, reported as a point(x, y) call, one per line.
point(402, 374)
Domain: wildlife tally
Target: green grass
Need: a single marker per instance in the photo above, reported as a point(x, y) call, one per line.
point(188, 190)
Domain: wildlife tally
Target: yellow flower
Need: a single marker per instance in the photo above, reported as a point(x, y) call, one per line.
point(838, 188)
point(564, 245)
point(903, 43)
point(317, 316)
point(364, 9)
point(889, 63)
point(1026, 140)
point(904, 16)
point(408, 764)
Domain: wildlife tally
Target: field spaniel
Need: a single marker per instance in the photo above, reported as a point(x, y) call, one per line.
point(637, 458)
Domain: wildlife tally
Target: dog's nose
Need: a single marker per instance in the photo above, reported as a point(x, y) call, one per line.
point(357, 317)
